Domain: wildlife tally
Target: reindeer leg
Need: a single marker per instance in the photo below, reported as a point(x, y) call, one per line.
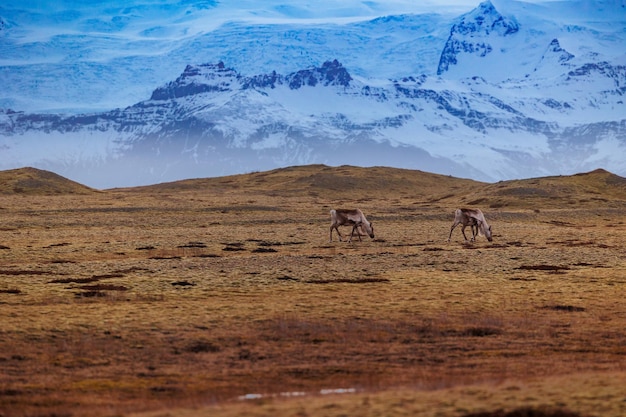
point(352, 232)
point(463, 231)
point(331, 232)
point(474, 227)
point(455, 224)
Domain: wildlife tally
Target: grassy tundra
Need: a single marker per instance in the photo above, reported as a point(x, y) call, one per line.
point(224, 297)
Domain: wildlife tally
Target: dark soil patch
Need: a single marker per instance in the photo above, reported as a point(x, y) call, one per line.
point(543, 267)
point(55, 245)
point(233, 244)
point(525, 412)
point(287, 278)
point(183, 284)
point(264, 250)
point(193, 245)
point(269, 243)
point(573, 243)
point(559, 307)
point(561, 223)
point(233, 248)
point(90, 294)
point(202, 347)
point(347, 281)
point(481, 331)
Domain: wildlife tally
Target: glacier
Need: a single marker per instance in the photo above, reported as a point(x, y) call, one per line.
point(498, 91)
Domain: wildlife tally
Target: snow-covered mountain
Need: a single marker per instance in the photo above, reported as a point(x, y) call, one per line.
point(74, 56)
point(506, 91)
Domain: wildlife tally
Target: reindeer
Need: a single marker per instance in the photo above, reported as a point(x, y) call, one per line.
point(354, 218)
point(473, 218)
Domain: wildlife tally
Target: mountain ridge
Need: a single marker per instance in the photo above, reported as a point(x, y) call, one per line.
point(214, 117)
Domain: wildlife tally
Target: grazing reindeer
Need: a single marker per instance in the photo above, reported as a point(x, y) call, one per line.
point(473, 218)
point(354, 218)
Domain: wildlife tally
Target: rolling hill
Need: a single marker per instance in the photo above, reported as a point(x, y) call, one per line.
point(598, 188)
point(595, 188)
point(33, 181)
point(332, 182)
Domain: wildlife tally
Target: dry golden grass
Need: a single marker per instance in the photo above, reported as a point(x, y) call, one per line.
point(179, 299)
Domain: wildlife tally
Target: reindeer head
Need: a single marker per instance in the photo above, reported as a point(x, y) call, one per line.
point(367, 228)
point(487, 231)
point(484, 229)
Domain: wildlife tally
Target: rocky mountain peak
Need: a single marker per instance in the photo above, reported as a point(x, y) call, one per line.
point(554, 59)
point(330, 73)
point(472, 33)
point(561, 54)
point(197, 79)
point(204, 78)
point(486, 19)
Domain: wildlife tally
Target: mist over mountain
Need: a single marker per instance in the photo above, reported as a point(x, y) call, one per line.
point(501, 90)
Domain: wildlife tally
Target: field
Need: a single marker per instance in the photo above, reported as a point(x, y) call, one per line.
point(224, 297)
